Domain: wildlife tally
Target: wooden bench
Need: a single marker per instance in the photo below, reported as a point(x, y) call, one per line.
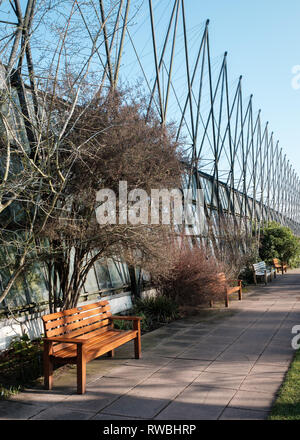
point(228, 290)
point(279, 266)
point(81, 334)
point(261, 270)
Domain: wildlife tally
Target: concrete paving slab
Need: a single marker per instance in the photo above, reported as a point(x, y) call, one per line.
point(134, 372)
point(187, 364)
point(168, 374)
point(54, 413)
point(219, 380)
point(40, 397)
point(203, 352)
point(148, 362)
point(267, 369)
point(165, 351)
point(136, 406)
point(10, 410)
point(237, 356)
point(253, 400)
point(233, 367)
point(263, 382)
point(102, 416)
point(277, 355)
point(99, 394)
point(243, 414)
point(216, 339)
point(197, 403)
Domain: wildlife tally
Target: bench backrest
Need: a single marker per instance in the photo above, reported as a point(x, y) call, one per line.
point(260, 267)
point(79, 321)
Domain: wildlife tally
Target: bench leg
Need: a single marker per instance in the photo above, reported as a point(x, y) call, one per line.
point(81, 370)
point(137, 340)
point(111, 353)
point(266, 278)
point(48, 366)
point(226, 299)
point(211, 304)
point(240, 294)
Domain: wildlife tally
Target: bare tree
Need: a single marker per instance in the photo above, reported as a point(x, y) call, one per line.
point(66, 133)
point(49, 50)
point(112, 143)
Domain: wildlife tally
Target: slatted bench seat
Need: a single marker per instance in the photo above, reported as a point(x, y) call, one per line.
point(84, 333)
point(228, 290)
point(261, 270)
point(279, 266)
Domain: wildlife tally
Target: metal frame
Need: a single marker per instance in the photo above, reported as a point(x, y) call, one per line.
point(230, 151)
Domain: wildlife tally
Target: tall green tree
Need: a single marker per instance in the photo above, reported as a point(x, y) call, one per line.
point(278, 241)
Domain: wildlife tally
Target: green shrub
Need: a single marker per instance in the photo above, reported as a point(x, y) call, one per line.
point(160, 309)
point(146, 323)
point(279, 241)
point(246, 276)
point(154, 311)
point(294, 262)
point(20, 364)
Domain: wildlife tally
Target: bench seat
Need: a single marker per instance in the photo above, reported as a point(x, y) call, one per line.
point(97, 345)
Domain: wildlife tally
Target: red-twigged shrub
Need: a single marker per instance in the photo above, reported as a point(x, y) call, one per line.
point(192, 278)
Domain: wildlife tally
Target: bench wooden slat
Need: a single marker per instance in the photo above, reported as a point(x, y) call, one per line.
point(68, 312)
point(121, 340)
point(108, 337)
point(88, 330)
point(95, 343)
point(86, 336)
point(80, 325)
point(92, 350)
point(75, 317)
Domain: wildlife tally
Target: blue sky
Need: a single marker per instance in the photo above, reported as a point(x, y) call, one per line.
point(262, 38)
point(263, 42)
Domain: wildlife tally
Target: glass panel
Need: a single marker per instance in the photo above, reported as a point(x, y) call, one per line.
point(102, 275)
point(115, 273)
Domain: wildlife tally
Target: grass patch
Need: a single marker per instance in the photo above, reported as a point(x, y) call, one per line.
point(287, 405)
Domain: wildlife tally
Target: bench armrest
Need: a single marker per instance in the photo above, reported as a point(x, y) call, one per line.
point(66, 340)
point(126, 318)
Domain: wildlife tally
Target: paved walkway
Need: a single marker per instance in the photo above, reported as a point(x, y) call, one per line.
point(227, 366)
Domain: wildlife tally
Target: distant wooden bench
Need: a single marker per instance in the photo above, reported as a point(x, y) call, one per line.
point(279, 266)
point(81, 334)
point(261, 270)
point(229, 289)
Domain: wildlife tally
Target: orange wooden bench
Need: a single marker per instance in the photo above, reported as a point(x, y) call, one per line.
point(279, 266)
point(228, 290)
point(81, 334)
